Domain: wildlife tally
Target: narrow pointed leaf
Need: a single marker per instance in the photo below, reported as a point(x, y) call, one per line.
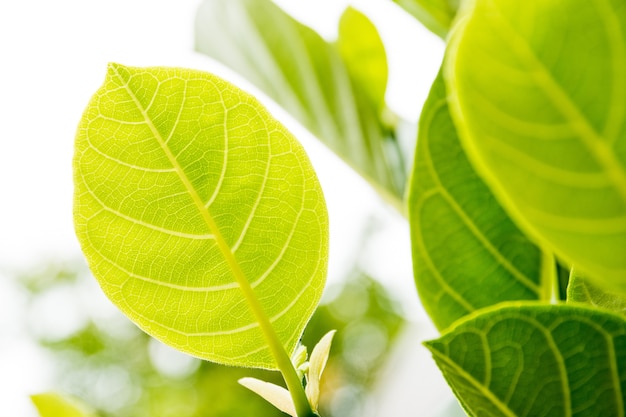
point(538, 89)
point(467, 253)
point(52, 404)
point(192, 202)
point(306, 75)
point(526, 359)
point(583, 290)
point(363, 52)
point(436, 15)
point(276, 395)
point(317, 363)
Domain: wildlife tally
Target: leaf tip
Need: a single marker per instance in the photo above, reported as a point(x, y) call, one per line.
point(114, 68)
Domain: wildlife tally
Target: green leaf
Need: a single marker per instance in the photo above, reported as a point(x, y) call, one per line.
point(274, 394)
point(538, 90)
point(467, 254)
point(317, 363)
point(436, 15)
point(200, 215)
point(51, 404)
point(363, 52)
point(582, 290)
point(306, 75)
point(527, 359)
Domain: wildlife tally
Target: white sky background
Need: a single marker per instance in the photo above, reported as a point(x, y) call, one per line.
point(54, 56)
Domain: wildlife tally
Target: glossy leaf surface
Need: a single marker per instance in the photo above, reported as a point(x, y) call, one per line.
point(536, 360)
point(436, 15)
point(192, 202)
point(538, 89)
point(307, 76)
point(51, 404)
point(467, 254)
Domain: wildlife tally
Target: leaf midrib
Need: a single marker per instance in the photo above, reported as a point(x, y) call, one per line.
point(253, 302)
point(204, 212)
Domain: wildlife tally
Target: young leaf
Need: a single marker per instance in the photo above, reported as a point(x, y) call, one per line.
point(277, 396)
point(527, 359)
point(467, 254)
point(582, 290)
point(303, 73)
point(363, 53)
point(538, 90)
point(200, 215)
point(436, 15)
point(51, 404)
point(317, 363)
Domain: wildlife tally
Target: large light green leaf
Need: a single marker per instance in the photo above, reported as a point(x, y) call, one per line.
point(436, 15)
point(538, 89)
point(51, 404)
point(467, 254)
point(536, 360)
point(582, 290)
point(199, 213)
point(306, 75)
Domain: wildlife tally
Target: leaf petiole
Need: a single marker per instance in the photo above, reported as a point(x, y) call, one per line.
point(549, 279)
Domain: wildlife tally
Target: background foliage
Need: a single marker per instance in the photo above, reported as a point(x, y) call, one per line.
point(122, 372)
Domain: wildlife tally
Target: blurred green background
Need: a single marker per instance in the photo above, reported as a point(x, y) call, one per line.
point(107, 362)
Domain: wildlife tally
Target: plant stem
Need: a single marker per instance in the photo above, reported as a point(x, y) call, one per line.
point(283, 361)
point(549, 279)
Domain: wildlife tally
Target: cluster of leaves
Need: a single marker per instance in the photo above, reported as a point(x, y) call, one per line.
point(520, 159)
point(203, 221)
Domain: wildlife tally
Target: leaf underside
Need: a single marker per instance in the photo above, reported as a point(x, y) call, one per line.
point(330, 93)
point(527, 359)
point(538, 88)
point(467, 253)
point(185, 189)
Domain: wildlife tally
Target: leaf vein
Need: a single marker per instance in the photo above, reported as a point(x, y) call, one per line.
point(596, 144)
point(126, 164)
point(497, 255)
point(171, 232)
point(431, 265)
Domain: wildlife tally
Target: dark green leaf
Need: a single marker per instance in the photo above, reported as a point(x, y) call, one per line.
point(526, 359)
point(467, 254)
